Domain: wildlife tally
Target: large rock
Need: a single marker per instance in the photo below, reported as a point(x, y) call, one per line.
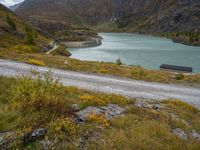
point(109, 112)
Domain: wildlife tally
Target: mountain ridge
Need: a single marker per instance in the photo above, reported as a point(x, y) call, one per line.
point(178, 18)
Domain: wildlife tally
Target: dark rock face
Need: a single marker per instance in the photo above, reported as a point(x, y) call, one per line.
point(144, 16)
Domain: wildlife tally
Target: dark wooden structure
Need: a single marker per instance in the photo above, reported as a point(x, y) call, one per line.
point(181, 69)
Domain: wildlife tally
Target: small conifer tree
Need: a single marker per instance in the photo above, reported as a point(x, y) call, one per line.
point(10, 22)
point(30, 38)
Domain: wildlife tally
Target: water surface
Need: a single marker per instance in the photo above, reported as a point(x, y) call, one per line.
point(147, 51)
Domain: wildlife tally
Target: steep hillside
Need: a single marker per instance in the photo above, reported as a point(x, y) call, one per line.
point(18, 36)
point(56, 17)
point(178, 19)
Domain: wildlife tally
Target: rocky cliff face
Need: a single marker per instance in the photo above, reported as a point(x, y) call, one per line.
point(144, 16)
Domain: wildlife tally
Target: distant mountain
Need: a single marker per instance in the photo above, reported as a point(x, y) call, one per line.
point(13, 33)
point(178, 19)
point(14, 7)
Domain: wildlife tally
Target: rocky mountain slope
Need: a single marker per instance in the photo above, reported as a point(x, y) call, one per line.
point(178, 19)
point(16, 35)
point(56, 17)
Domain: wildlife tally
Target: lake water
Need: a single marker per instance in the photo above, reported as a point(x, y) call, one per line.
point(147, 51)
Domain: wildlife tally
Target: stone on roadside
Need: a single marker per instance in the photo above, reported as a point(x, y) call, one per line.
point(180, 133)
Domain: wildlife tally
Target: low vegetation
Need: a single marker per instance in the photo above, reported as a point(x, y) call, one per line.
point(133, 72)
point(36, 62)
point(43, 102)
point(10, 22)
point(16, 32)
point(185, 37)
point(62, 51)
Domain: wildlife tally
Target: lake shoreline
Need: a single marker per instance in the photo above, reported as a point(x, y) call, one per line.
point(147, 51)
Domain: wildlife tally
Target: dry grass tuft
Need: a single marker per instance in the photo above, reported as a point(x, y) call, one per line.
point(36, 62)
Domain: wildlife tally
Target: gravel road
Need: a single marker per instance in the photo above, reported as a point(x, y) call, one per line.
point(109, 84)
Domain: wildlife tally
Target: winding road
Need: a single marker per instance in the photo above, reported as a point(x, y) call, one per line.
point(108, 84)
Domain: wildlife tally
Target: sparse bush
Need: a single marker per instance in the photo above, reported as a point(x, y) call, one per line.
point(118, 61)
point(29, 39)
point(91, 100)
point(25, 49)
point(138, 72)
point(63, 128)
point(38, 99)
point(180, 76)
point(36, 62)
point(10, 22)
point(102, 100)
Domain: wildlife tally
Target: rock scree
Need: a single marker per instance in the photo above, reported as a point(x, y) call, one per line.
point(110, 111)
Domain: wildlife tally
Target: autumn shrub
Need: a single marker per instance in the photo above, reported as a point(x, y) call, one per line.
point(63, 128)
point(180, 76)
point(36, 62)
point(102, 100)
point(92, 100)
point(25, 49)
point(98, 119)
point(38, 98)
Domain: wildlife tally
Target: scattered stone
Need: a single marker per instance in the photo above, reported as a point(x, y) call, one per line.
point(46, 144)
point(156, 106)
point(66, 62)
point(195, 135)
point(146, 105)
point(109, 112)
point(75, 107)
point(142, 105)
point(84, 114)
point(33, 135)
point(112, 111)
point(6, 138)
point(180, 133)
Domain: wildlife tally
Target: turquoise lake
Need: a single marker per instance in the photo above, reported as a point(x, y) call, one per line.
point(135, 49)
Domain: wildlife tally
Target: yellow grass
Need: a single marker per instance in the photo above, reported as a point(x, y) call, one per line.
point(36, 62)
